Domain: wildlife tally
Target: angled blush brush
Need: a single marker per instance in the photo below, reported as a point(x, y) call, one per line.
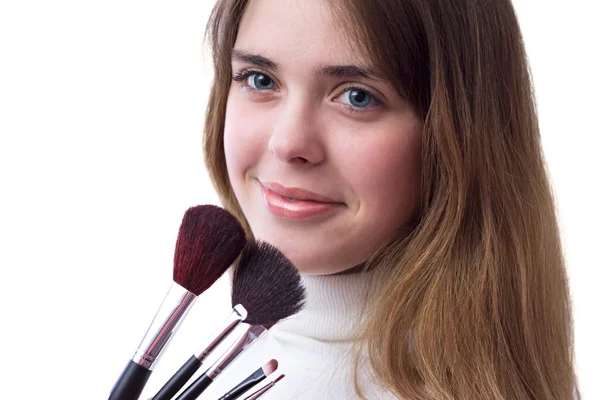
point(209, 240)
point(267, 284)
point(261, 392)
point(265, 289)
point(270, 288)
point(257, 376)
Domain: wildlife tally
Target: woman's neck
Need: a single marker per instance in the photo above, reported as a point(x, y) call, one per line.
point(333, 310)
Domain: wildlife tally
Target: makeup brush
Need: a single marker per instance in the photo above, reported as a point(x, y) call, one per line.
point(261, 392)
point(258, 376)
point(265, 288)
point(193, 364)
point(209, 240)
point(269, 285)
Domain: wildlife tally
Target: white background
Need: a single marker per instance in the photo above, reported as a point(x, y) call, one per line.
point(101, 113)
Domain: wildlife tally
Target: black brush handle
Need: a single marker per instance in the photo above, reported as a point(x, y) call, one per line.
point(244, 386)
point(179, 379)
point(130, 384)
point(196, 388)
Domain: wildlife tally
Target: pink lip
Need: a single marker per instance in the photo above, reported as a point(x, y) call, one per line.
point(306, 204)
point(296, 193)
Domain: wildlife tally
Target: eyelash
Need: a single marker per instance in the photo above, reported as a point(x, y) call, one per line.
point(374, 99)
point(242, 75)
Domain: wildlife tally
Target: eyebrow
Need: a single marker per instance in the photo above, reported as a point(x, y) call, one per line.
point(349, 71)
point(334, 71)
point(259, 61)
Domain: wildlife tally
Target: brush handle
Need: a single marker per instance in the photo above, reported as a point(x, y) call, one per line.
point(260, 392)
point(244, 386)
point(130, 384)
point(196, 388)
point(179, 379)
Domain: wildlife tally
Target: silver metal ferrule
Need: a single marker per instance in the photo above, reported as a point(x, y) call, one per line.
point(260, 392)
point(173, 309)
point(249, 335)
point(238, 314)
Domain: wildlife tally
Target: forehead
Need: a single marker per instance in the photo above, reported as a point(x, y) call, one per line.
point(295, 33)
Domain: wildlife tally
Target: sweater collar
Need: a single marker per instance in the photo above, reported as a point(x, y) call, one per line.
point(334, 306)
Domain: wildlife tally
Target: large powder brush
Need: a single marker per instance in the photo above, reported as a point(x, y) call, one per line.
point(209, 241)
point(266, 288)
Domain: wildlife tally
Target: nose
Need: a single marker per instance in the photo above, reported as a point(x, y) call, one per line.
point(295, 137)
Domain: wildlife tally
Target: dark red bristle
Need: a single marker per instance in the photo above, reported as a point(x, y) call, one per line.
point(267, 284)
point(280, 377)
point(210, 239)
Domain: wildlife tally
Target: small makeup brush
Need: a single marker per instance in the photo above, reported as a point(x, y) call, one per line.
point(208, 242)
point(258, 376)
point(261, 392)
point(265, 289)
point(269, 285)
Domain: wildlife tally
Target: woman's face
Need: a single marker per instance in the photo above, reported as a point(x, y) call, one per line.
point(323, 155)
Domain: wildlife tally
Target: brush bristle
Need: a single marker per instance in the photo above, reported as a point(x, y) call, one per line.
point(209, 241)
point(280, 377)
point(267, 284)
point(270, 367)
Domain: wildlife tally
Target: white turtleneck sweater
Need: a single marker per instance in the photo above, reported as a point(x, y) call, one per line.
point(313, 348)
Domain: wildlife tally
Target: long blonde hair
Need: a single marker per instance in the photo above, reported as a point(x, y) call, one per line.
point(473, 301)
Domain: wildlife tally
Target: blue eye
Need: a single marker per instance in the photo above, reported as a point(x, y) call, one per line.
point(260, 82)
point(255, 80)
point(357, 98)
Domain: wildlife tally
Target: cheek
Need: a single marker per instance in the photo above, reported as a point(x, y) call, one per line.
point(385, 171)
point(242, 137)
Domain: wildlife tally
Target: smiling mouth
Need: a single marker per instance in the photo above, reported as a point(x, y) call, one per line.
point(295, 209)
point(297, 194)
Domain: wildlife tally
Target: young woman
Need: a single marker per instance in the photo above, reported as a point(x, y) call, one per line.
point(391, 150)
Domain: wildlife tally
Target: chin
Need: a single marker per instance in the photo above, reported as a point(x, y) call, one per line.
point(310, 255)
point(309, 261)
point(313, 270)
